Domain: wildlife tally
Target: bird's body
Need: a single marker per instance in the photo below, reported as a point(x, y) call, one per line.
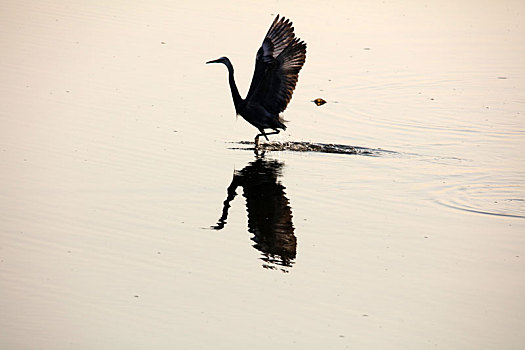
point(277, 65)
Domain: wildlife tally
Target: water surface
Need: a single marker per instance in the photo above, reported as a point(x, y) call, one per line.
point(121, 153)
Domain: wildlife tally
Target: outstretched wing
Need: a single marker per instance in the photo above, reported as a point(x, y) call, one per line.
point(277, 67)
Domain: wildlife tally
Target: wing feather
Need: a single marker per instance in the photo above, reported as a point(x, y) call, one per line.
point(277, 65)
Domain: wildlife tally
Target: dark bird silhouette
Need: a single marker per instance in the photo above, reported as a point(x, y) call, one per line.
point(277, 65)
point(269, 212)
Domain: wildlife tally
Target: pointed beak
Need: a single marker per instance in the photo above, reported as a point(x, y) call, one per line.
point(214, 61)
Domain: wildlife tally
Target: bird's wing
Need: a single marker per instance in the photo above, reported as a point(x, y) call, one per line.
point(277, 65)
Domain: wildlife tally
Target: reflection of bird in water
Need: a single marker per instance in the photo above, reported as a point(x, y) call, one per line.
point(277, 65)
point(269, 212)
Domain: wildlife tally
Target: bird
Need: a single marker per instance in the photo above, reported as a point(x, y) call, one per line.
point(277, 65)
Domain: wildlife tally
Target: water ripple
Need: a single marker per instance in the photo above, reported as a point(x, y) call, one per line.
point(485, 197)
point(296, 146)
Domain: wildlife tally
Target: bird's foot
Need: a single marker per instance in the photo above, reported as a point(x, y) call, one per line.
point(258, 148)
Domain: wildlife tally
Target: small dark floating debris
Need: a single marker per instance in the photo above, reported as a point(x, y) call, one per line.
point(319, 101)
point(502, 77)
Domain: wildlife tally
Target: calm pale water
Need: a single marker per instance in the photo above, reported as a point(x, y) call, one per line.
point(132, 217)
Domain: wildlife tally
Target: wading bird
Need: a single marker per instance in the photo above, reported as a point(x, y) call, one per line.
point(277, 65)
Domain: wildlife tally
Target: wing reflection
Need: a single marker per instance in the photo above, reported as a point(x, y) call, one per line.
point(269, 212)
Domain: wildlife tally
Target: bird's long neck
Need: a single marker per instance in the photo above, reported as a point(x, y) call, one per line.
point(233, 87)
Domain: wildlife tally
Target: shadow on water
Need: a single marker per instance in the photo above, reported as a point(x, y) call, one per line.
point(269, 212)
point(296, 146)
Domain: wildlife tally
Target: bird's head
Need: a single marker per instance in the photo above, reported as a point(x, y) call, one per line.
point(223, 60)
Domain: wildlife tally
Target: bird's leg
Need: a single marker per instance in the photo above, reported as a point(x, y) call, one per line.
point(259, 135)
point(275, 131)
